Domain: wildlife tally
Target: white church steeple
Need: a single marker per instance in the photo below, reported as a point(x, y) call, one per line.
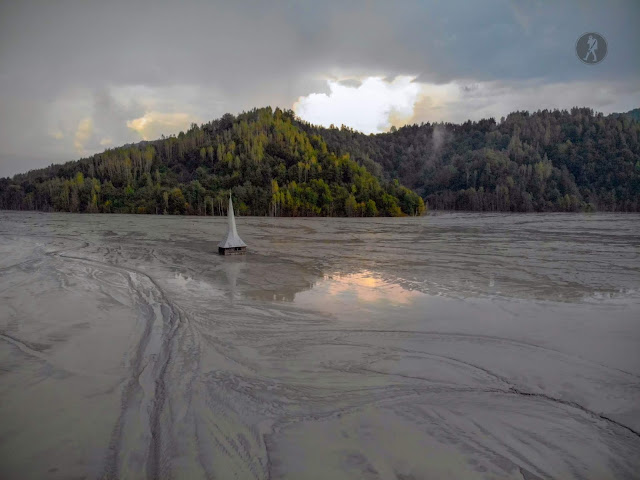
point(232, 243)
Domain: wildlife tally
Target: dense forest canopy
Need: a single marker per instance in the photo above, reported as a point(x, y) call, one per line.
point(271, 165)
point(276, 164)
point(544, 161)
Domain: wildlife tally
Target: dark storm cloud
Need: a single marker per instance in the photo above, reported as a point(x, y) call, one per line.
point(74, 75)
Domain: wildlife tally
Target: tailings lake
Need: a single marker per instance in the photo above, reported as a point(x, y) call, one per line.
point(445, 346)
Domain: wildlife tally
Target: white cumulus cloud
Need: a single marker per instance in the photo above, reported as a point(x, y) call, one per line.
point(371, 107)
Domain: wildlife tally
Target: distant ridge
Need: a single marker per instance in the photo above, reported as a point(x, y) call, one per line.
point(549, 160)
point(634, 114)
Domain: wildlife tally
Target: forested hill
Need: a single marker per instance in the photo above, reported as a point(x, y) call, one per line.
point(271, 165)
point(544, 161)
point(276, 164)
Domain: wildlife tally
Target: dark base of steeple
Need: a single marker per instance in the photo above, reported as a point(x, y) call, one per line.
point(232, 251)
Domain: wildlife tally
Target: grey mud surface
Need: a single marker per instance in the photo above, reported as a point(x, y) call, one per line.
point(448, 346)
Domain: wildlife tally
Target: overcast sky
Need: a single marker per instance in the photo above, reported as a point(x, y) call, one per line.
point(77, 77)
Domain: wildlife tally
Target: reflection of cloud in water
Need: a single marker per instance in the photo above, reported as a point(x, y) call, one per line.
point(363, 287)
point(369, 289)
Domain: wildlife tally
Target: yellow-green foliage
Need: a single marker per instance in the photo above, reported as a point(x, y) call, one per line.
point(272, 165)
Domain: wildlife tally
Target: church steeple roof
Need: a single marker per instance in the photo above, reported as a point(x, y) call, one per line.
point(232, 239)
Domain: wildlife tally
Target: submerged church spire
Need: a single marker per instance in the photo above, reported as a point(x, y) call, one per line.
point(231, 243)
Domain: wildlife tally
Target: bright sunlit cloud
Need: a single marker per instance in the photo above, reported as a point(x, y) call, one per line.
point(371, 107)
point(153, 124)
